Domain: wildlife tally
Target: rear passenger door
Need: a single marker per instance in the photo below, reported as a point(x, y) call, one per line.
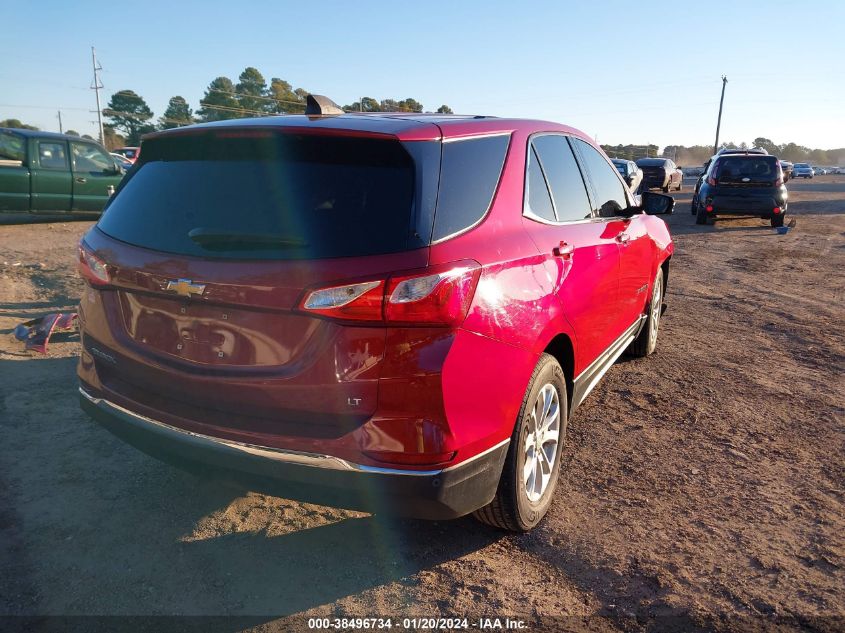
point(51, 181)
point(558, 214)
point(631, 234)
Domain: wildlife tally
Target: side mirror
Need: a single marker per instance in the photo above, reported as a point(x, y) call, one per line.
point(657, 203)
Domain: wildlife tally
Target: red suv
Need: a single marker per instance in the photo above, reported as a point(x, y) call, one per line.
point(395, 313)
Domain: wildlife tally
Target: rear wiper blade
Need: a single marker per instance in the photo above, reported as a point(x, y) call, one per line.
point(216, 237)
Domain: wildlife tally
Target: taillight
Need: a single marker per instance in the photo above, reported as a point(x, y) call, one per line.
point(92, 267)
point(356, 302)
point(441, 298)
point(776, 210)
point(711, 180)
point(439, 295)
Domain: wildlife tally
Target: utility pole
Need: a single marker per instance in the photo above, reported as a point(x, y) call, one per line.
point(95, 86)
point(61, 131)
point(361, 104)
point(719, 121)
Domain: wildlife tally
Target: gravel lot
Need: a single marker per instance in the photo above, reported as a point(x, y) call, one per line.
point(705, 483)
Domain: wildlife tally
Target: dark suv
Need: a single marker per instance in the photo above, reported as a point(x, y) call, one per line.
point(389, 312)
point(742, 184)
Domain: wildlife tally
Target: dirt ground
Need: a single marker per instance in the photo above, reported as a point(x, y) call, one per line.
point(702, 486)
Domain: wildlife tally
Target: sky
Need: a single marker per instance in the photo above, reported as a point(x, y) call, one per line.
point(623, 72)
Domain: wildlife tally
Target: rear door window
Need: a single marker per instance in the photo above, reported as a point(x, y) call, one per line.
point(53, 155)
point(469, 175)
point(569, 193)
point(266, 196)
point(609, 191)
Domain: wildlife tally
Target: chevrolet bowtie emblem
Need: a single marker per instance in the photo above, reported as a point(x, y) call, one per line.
point(185, 287)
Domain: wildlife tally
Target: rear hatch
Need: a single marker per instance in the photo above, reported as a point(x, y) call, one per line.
point(653, 170)
point(746, 182)
point(212, 243)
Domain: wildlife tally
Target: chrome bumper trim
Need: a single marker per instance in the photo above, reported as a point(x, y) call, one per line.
point(313, 460)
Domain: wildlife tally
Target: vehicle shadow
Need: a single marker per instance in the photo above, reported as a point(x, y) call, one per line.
point(137, 536)
point(684, 224)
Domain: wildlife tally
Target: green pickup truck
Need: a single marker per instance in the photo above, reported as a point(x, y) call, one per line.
point(44, 172)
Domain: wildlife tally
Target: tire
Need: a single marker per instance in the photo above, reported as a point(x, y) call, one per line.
point(645, 344)
point(680, 184)
point(514, 508)
point(693, 206)
point(777, 220)
point(700, 214)
point(666, 188)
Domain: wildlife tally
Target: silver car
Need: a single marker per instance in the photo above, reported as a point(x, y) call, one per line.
point(802, 170)
point(630, 173)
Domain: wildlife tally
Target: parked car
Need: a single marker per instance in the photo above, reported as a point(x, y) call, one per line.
point(788, 170)
point(43, 172)
point(401, 316)
point(820, 171)
point(802, 170)
point(660, 173)
point(839, 170)
point(122, 160)
point(725, 151)
point(631, 174)
point(743, 184)
point(131, 153)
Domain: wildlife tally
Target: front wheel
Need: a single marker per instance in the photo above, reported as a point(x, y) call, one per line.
point(532, 465)
point(646, 342)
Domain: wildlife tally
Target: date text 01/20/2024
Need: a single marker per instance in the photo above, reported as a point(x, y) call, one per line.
point(485, 624)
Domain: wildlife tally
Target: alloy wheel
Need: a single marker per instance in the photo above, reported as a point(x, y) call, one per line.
point(541, 443)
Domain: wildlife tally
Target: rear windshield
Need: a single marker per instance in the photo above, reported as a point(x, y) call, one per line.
point(266, 196)
point(11, 147)
point(651, 162)
point(756, 168)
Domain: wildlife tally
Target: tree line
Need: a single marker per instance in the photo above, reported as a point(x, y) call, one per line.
point(698, 154)
point(130, 117)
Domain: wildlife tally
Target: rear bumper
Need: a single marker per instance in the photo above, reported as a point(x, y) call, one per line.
point(655, 183)
point(760, 205)
point(433, 494)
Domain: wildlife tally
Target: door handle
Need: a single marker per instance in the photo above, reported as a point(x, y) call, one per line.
point(82, 180)
point(623, 238)
point(563, 250)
